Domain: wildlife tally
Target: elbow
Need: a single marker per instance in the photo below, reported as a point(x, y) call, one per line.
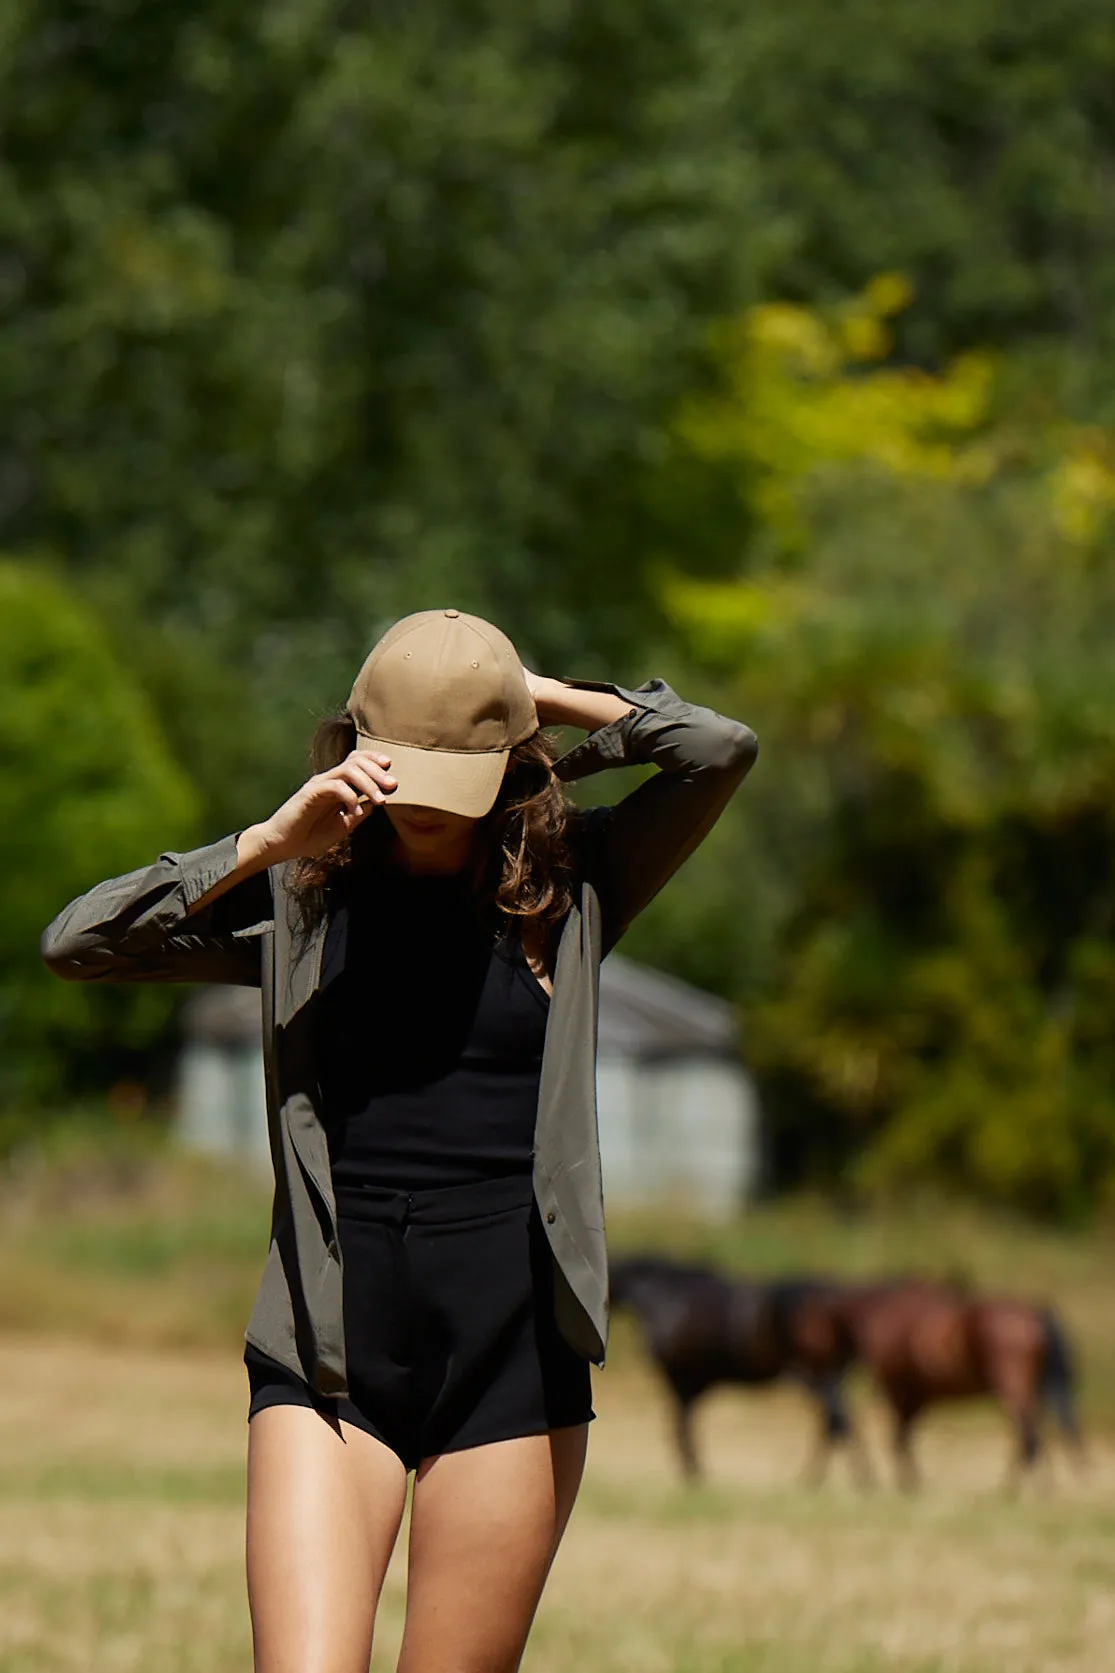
point(58, 961)
point(736, 747)
point(745, 746)
point(62, 956)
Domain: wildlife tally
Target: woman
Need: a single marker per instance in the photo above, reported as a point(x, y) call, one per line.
point(426, 917)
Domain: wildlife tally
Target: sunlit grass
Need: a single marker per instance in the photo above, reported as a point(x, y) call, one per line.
point(127, 1241)
point(128, 1273)
point(121, 1538)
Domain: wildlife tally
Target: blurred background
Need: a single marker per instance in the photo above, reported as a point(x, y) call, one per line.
point(770, 349)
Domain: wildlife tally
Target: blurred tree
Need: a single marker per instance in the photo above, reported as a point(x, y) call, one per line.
point(314, 316)
point(970, 146)
point(922, 639)
point(87, 789)
point(316, 319)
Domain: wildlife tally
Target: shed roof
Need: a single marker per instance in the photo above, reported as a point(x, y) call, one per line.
point(643, 1014)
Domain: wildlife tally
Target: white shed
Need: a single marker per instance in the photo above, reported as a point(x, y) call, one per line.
point(222, 1104)
point(679, 1118)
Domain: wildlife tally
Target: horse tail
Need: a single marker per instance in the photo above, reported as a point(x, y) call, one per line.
point(1058, 1384)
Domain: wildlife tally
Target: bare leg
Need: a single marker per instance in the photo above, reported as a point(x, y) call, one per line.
point(324, 1505)
point(485, 1524)
point(687, 1446)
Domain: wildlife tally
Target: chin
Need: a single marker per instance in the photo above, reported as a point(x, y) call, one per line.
point(423, 831)
point(431, 834)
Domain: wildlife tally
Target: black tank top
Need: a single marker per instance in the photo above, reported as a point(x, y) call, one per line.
point(429, 1041)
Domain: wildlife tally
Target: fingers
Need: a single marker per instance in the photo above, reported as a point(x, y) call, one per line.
point(363, 774)
point(373, 769)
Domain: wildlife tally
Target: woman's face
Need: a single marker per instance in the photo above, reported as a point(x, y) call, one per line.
point(430, 838)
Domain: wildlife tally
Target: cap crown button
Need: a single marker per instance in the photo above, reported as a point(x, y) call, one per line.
point(452, 612)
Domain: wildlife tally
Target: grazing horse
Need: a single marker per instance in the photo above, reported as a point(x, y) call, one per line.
point(926, 1342)
point(702, 1328)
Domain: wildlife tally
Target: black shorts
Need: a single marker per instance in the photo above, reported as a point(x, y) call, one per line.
point(450, 1337)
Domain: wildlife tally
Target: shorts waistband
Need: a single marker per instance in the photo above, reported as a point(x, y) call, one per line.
point(445, 1206)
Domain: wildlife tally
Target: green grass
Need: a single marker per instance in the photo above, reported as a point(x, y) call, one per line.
point(126, 1241)
point(95, 1482)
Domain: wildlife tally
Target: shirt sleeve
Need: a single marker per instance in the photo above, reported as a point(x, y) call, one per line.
point(633, 848)
point(136, 928)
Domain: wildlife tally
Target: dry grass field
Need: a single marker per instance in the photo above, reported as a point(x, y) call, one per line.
point(122, 1437)
point(121, 1482)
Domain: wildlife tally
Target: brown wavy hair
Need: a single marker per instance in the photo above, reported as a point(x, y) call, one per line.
point(524, 865)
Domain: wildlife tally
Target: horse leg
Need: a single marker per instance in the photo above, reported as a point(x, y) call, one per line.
point(816, 1465)
point(1075, 1449)
point(1028, 1449)
point(862, 1468)
point(842, 1426)
point(683, 1432)
point(1016, 1378)
point(905, 1467)
point(836, 1425)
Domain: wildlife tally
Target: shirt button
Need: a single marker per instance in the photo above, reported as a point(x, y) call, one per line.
point(550, 1217)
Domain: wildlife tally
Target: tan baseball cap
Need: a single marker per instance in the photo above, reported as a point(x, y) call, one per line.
point(444, 695)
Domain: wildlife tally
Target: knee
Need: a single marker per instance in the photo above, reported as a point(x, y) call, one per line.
point(320, 1657)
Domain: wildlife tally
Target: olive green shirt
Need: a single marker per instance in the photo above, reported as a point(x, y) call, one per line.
point(136, 929)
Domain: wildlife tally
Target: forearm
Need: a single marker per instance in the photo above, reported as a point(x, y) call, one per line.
point(701, 756)
point(559, 704)
point(252, 856)
point(134, 928)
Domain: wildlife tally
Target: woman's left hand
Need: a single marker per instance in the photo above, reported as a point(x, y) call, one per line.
point(536, 685)
point(558, 704)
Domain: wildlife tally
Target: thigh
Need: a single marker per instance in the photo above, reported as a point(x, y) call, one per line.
point(325, 1501)
point(485, 1524)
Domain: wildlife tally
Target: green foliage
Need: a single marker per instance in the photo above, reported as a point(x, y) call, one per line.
point(923, 644)
point(317, 319)
point(965, 145)
point(313, 317)
point(87, 789)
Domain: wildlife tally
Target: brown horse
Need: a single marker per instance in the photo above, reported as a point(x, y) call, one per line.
point(927, 1342)
point(702, 1328)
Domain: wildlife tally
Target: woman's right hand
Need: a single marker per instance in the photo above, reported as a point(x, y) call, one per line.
point(327, 808)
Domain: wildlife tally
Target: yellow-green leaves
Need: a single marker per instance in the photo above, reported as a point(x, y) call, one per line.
point(804, 390)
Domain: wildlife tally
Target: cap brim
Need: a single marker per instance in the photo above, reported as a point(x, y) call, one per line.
point(453, 781)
